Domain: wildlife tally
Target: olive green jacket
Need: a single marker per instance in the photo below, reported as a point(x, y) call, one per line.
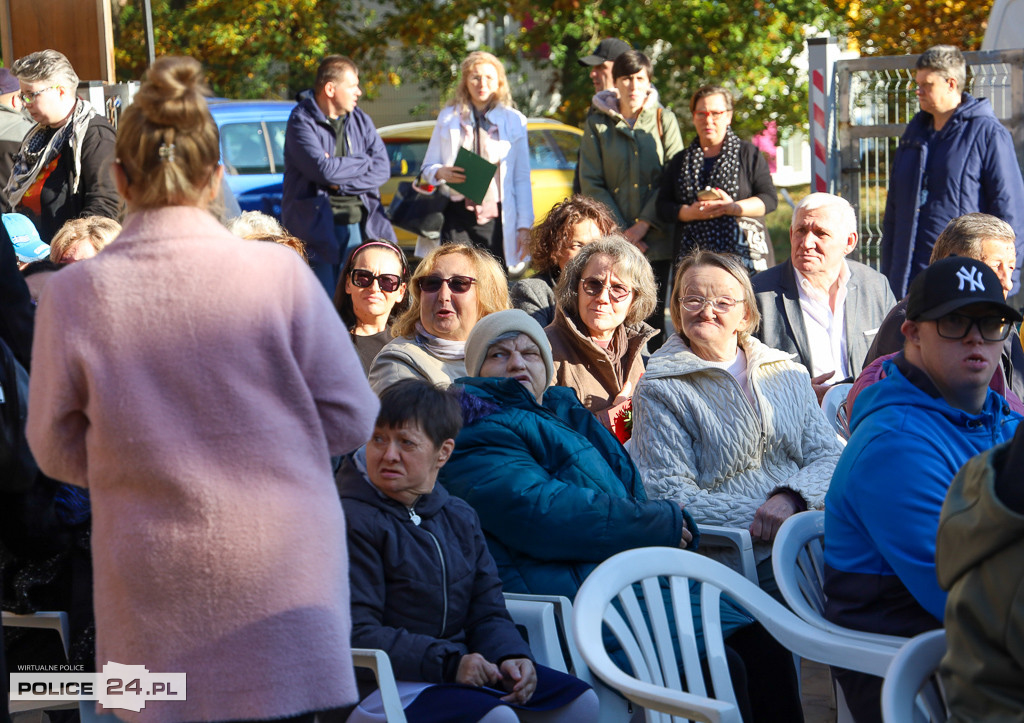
point(621, 166)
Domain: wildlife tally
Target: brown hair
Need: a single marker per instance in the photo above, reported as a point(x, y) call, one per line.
point(502, 96)
point(553, 235)
point(732, 265)
point(343, 300)
point(97, 230)
point(706, 92)
point(331, 69)
point(167, 141)
point(491, 285)
point(630, 265)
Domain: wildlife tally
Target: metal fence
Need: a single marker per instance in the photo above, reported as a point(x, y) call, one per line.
point(874, 100)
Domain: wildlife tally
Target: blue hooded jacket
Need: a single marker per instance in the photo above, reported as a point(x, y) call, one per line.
point(969, 166)
point(882, 508)
point(311, 168)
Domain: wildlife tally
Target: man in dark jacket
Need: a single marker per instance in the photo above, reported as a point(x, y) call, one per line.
point(954, 158)
point(334, 165)
point(63, 168)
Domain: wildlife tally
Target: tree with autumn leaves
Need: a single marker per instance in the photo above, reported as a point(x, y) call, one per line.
point(270, 48)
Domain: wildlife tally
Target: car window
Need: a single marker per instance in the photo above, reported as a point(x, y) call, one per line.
point(406, 157)
point(569, 145)
point(275, 131)
point(244, 149)
point(547, 152)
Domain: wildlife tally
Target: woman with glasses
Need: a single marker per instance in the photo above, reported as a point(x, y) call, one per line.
point(718, 190)
point(722, 423)
point(599, 336)
point(627, 140)
point(455, 286)
point(63, 168)
point(376, 277)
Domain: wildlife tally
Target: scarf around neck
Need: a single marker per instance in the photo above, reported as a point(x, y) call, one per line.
point(441, 348)
point(29, 163)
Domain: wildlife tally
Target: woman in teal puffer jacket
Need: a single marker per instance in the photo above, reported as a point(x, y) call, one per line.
point(557, 494)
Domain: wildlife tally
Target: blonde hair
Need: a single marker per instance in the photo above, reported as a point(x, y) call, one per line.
point(97, 230)
point(502, 96)
point(167, 141)
point(491, 285)
point(732, 265)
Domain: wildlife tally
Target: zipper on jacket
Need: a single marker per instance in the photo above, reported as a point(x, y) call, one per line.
point(759, 418)
point(444, 570)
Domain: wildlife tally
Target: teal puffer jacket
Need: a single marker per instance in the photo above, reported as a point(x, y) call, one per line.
point(556, 493)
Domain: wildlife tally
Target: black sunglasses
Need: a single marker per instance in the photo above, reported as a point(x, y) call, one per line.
point(457, 284)
point(364, 279)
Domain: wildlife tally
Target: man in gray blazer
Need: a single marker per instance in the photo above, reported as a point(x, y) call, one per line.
point(817, 304)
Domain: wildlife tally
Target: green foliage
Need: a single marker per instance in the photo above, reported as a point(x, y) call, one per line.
point(881, 27)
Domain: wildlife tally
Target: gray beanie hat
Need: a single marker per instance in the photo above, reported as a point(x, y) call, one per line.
point(485, 331)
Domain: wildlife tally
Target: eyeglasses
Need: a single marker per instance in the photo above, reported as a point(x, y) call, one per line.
point(721, 304)
point(457, 284)
point(957, 326)
point(594, 287)
point(712, 114)
point(364, 279)
point(30, 98)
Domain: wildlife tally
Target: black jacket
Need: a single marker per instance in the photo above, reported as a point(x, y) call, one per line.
point(425, 593)
point(96, 194)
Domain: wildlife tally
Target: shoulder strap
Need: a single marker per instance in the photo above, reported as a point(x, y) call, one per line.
point(661, 132)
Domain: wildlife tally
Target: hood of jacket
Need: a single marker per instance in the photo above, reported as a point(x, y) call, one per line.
point(482, 396)
point(975, 525)
point(607, 102)
point(353, 484)
point(675, 359)
point(895, 391)
point(969, 109)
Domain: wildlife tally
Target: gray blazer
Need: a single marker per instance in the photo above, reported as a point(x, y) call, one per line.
point(868, 300)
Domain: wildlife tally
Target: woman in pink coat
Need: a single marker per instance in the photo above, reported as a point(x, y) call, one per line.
point(197, 384)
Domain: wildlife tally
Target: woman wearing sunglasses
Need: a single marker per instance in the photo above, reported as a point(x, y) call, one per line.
point(453, 287)
point(723, 424)
point(599, 337)
point(376, 277)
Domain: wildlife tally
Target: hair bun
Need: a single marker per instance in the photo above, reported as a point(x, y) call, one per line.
point(173, 93)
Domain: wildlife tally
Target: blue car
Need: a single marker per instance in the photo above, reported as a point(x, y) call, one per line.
point(252, 150)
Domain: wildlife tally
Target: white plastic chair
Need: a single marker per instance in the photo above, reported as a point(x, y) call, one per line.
point(733, 537)
point(832, 404)
point(912, 691)
point(798, 561)
point(656, 683)
point(56, 621)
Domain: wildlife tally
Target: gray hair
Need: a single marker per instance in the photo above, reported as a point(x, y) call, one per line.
point(46, 66)
point(254, 223)
point(839, 204)
point(630, 265)
point(963, 236)
point(947, 61)
point(729, 263)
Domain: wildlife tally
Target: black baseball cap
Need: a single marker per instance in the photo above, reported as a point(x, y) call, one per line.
point(953, 283)
point(607, 49)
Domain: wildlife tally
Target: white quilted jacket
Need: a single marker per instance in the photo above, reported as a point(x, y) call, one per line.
point(697, 439)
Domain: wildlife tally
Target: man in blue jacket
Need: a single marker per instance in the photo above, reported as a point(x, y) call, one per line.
point(955, 157)
point(334, 165)
point(912, 431)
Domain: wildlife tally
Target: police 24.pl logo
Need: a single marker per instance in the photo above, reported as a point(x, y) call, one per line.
point(119, 686)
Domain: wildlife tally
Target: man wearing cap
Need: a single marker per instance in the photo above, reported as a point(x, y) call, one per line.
point(912, 431)
point(601, 60)
point(13, 126)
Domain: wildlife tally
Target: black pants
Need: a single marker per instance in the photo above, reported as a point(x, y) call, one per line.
point(764, 677)
point(460, 226)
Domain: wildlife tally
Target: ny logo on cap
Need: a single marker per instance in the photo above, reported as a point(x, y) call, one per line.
point(972, 277)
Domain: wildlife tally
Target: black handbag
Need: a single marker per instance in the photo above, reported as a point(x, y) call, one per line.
point(418, 212)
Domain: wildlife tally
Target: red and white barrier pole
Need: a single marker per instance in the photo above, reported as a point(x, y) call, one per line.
point(822, 54)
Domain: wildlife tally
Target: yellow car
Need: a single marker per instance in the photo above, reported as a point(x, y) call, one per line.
point(554, 149)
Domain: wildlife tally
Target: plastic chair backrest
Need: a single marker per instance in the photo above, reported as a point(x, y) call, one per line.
point(912, 691)
point(379, 662)
point(798, 561)
point(608, 597)
point(733, 537)
point(830, 405)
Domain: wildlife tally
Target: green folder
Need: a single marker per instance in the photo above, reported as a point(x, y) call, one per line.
point(479, 173)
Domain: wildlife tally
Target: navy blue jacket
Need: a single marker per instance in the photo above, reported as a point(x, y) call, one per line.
point(425, 593)
point(311, 170)
point(969, 166)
